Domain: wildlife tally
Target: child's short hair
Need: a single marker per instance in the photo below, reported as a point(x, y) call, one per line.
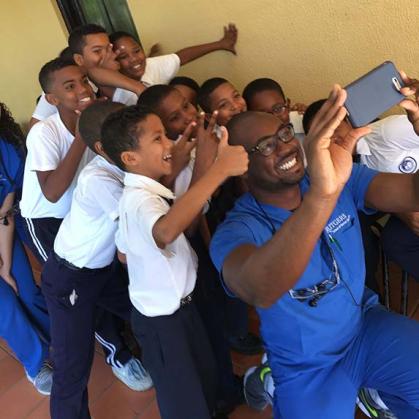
point(310, 113)
point(45, 75)
point(66, 54)
point(91, 120)
point(260, 85)
point(120, 132)
point(115, 36)
point(76, 40)
point(205, 91)
point(185, 81)
point(153, 96)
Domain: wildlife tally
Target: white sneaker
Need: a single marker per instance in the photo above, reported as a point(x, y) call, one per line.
point(134, 375)
point(43, 380)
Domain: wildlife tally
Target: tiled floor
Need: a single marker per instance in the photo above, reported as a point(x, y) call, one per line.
point(110, 399)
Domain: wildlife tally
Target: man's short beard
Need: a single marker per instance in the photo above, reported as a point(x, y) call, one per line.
point(268, 186)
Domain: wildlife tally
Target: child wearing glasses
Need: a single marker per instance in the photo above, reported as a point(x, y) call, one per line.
point(266, 95)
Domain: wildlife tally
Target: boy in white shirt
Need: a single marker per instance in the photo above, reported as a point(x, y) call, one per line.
point(80, 274)
point(90, 48)
point(176, 114)
point(55, 154)
point(161, 69)
point(161, 264)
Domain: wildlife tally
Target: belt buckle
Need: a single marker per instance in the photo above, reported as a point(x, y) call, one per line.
point(186, 300)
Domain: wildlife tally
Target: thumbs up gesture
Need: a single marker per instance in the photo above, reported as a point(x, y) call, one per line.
point(231, 160)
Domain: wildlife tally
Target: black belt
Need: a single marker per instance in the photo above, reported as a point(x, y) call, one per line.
point(186, 300)
point(72, 267)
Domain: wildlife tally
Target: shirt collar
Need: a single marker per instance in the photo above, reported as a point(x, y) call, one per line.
point(110, 167)
point(139, 181)
point(362, 147)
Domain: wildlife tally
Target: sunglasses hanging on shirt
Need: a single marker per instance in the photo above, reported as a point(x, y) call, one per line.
point(314, 294)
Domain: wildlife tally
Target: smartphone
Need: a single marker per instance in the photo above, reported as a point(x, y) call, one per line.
point(372, 94)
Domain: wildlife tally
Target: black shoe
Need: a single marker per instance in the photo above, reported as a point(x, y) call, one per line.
point(249, 344)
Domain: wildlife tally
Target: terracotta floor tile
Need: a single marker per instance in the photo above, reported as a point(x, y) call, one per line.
point(20, 399)
point(118, 401)
point(111, 399)
point(101, 378)
point(152, 412)
point(5, 347)
point(245, 412)
point(41, 411)
point(3, 353)
point(11, 373)
point(242, 362)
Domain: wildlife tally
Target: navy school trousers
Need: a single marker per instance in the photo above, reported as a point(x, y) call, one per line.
point(212, 302)
point(42, 233)
point(178, 356)
point(72, 296)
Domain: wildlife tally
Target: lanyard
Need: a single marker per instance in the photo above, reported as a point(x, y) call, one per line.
point(315, 294)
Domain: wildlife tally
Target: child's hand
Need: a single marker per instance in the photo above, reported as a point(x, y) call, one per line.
point(231, 160)
point(181, 150)
point(411, 105)
point(228, 41)
point(299, 107)
point(109, 59)
point(207, 137)
point(154, 50)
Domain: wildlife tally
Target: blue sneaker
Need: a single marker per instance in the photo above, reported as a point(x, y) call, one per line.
point(134, 375)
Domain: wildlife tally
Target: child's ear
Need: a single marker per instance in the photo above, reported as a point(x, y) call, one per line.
point(78, 58)
point(52, 99)
point(129, 158)
point(98, 148)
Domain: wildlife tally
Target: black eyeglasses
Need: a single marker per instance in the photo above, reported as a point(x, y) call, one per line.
point(267, 145)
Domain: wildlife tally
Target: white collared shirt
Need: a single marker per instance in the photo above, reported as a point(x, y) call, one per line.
point(86, 237)
point(158, 278)
point(48, 143)
point(392, 146)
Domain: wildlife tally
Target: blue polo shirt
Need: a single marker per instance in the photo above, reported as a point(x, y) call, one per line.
point(297, 336)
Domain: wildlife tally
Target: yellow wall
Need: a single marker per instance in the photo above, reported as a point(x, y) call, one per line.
point(306, 45)
point(31, 34)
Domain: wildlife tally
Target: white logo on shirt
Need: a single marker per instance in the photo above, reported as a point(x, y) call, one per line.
point(336, 224)
point(408, 165)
